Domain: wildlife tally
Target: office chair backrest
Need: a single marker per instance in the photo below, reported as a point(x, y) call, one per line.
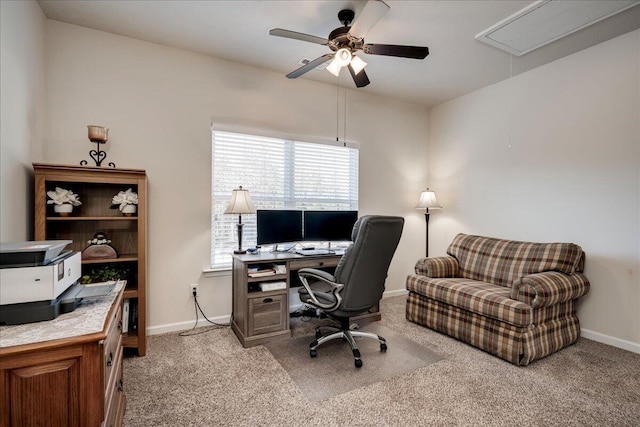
point(364, 265)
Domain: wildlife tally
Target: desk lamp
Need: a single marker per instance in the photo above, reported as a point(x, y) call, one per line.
point(428, 201)
point(240, 203)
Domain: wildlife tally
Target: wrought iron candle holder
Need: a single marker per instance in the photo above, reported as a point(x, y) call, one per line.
point(98, 135)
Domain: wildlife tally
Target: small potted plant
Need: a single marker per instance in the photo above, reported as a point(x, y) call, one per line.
point(63, 201)
point(126, 201)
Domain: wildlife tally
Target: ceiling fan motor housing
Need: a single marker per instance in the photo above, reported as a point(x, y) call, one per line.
point(340, 38)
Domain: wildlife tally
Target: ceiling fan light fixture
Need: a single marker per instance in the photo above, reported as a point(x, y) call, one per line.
point(334, 67)
point(343, 57)
point(357, 64)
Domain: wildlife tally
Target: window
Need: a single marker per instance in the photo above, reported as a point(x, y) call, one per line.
point(279, 174)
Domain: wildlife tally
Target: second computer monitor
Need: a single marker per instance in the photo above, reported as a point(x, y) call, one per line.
point(329, 226)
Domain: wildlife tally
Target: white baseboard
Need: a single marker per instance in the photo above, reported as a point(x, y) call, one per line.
point(586, 333)
point(609, 340)
point(388, 294)
point(185, 326)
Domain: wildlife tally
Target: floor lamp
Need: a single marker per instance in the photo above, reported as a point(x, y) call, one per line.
point(240, 203)
point(427, 201)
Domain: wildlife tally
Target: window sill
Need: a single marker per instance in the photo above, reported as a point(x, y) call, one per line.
point(216, 272)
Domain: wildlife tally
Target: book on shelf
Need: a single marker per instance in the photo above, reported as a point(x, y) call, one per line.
point(125, 316)
point(273, 286)
point(263, 273)
point(133, 315)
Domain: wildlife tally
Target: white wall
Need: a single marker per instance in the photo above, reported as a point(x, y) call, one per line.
point(21, 113)
point(159, 102)
point(561, 164)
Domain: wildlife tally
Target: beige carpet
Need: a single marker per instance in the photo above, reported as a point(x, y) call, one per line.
point(332, 371)
point(211, 380)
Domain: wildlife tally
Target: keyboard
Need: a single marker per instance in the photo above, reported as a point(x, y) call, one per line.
point(309, 252)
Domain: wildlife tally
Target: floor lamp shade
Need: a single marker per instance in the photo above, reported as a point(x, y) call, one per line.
point(427, 201)
point(240, 203)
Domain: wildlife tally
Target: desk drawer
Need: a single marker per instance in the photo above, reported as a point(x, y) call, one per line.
point(112, 348)
point(267, 314)
point(297, 264)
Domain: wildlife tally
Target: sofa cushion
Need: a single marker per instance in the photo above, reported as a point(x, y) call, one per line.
point(501, 261)
point(478, 297)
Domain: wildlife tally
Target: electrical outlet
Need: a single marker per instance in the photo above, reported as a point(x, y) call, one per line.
point(193, 289)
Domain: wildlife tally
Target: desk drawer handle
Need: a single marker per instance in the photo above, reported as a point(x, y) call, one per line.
point(110, 360)
point(120, 325)
point(321, 263)
point(267, 300)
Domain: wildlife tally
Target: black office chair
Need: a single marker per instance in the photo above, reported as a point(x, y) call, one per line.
point(358, 282)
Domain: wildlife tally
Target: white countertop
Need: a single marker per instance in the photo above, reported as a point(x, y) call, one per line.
point(88, 318)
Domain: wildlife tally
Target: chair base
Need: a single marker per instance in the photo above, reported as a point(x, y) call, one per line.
point(347, 335)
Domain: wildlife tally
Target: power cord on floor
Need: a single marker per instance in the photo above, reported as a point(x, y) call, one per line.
point(216, 326)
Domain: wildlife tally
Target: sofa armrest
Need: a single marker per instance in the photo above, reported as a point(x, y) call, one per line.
point(437, 267)
point(549, 288)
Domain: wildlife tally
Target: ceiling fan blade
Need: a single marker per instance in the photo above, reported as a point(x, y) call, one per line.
point(360, 79)
point(372, 12)
point(298, 36)
point(310, 66)
point(416, 52)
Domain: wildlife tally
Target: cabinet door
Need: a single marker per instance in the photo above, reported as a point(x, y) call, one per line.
point(267, 314)
point(47, 394)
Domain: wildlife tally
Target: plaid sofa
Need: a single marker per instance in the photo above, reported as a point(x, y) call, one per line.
point(516, 300)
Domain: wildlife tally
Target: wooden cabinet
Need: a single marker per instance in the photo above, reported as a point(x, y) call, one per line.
point(259, 316)
point(96, 187)
point(74, 381)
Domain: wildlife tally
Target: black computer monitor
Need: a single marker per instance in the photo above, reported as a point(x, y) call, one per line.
point(278, 226)
point(329, 226)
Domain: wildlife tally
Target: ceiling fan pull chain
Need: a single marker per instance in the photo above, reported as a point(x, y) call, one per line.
point(337, 113)
point(344, 140)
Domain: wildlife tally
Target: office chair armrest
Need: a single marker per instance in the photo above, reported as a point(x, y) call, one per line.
point(325, 277)
point(317, 274)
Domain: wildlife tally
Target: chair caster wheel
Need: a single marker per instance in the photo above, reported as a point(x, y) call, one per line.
point(313, 353)
point(383, 347)
point(358, 363)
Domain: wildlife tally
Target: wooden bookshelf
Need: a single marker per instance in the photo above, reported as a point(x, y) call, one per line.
point(96, 187)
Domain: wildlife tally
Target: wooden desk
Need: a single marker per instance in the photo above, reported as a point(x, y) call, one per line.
point(262, 316)
point(67, 371)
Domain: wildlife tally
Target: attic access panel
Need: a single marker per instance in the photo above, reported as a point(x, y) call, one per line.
point(546, 21)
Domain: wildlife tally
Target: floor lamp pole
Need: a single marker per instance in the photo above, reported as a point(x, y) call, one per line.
point(426, 217)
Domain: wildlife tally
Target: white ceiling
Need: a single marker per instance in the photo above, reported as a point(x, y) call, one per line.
point(239, 31)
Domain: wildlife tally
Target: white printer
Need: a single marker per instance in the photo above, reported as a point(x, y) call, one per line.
point(36, 271)
point(34, 277)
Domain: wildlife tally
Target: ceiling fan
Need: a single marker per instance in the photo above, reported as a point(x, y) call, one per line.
point(345, 41)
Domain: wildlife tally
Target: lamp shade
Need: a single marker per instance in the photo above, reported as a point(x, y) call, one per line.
point(428, 201)
point(343, 57)
point(357, 64)
point(334, 68)
point(240, 202)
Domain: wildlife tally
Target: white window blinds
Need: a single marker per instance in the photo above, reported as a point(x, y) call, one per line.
point(279, 174)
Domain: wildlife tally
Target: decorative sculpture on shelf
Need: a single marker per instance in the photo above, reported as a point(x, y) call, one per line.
point(126, 201)
point(99, 135)
point(99, 248)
